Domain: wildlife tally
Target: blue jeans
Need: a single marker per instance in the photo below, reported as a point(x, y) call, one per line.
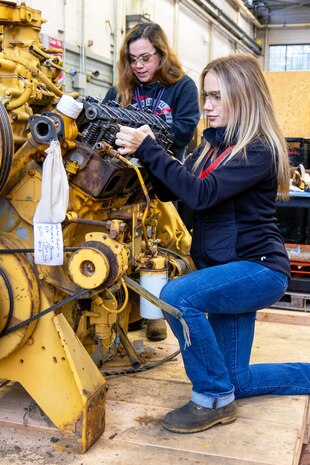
point(217, 361)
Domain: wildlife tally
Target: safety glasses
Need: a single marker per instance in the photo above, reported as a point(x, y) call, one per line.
point(142, 59)
point(213, 96)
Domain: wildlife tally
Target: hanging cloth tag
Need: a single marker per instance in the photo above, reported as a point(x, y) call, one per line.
point(204, 172)
point(51, 209)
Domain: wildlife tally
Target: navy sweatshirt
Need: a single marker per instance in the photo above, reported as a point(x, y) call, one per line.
point(234, 206)
point(178, 106)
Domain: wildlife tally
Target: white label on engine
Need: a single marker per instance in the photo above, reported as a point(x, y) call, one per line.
point(48, 244)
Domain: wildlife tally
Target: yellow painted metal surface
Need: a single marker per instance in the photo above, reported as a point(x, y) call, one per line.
point(88, 268)
point(114, 226)
point(24, 299)
point(58, 373)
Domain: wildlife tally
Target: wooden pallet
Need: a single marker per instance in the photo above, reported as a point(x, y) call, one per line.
point(294, 301)
point(269, 430)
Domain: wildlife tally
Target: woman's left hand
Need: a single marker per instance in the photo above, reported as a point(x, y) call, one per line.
point(129, 139)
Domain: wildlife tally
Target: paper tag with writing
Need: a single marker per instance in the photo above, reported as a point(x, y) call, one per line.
point(48, 244)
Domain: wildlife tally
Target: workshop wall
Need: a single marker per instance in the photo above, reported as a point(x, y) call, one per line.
point(290, 92)
point(91, 33)
point(281, 35)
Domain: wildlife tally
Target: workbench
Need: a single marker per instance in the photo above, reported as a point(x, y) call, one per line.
point(298, 293)
point(296, 199)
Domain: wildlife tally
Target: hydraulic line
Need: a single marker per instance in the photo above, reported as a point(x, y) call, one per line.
point(37, 73)
point(115, 154)
point(124, 303)
point(22, 99)
point(172, 252)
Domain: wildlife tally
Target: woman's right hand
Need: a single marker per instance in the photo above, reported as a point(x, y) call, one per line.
point(129, 139)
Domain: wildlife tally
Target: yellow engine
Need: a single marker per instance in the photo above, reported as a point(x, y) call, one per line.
point(58, 324)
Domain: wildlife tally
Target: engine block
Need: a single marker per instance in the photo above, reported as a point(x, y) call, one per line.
point(114, 227)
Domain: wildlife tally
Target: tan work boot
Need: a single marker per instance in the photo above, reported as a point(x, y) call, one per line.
point(192, 418)
point(156, 330)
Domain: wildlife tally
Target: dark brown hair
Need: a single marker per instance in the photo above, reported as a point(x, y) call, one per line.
point(169, 71)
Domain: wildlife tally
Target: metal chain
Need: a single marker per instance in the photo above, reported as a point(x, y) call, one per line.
point(129, 371)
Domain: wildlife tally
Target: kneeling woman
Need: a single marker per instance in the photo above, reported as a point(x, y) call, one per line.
point(231, 182)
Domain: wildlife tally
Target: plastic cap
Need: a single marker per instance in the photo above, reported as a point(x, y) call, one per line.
point(69, 106)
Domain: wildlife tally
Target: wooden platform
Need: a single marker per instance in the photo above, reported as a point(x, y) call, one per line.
point(269, 431)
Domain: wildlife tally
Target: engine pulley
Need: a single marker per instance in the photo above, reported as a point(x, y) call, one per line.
point(98, 262)
point(89, 267)
point(19, 298)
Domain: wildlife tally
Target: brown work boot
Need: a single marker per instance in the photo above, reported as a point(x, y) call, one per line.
point(156, 330)
point(192, 418)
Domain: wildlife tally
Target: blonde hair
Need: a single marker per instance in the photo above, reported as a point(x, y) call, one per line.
point(246, 98)
point(169, 71)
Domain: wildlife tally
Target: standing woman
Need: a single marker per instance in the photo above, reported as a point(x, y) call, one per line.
point(150, 76)
point(231, 182)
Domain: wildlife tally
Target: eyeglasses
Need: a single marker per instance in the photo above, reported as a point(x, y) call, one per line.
point(214, 96)
point(144, 58)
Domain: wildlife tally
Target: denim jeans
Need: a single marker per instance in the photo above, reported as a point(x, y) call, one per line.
point(217, 361)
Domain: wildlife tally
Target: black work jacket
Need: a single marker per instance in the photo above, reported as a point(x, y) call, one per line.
point(234, 206)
